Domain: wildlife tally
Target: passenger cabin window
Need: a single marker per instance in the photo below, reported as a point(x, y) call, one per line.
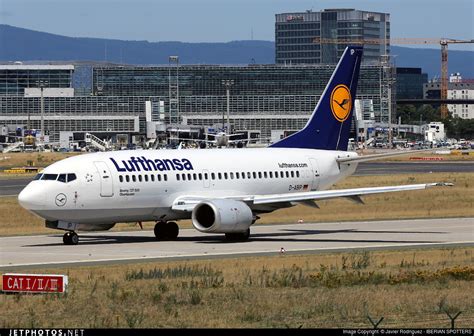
point(152, 178)
point(127, 178)
point(120, 178)
point(165, 177)
point(270, 174)
point(225, 176)
point(297, 173)
point(139, 178)
point(260, 175)
point(254, 175)
point(177, 177)
point(265, 174)
point(219, 175)
point(213, 176)
point(292, 173)
point(134, 178)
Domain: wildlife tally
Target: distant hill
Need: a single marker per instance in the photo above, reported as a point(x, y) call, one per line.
point(18, 44)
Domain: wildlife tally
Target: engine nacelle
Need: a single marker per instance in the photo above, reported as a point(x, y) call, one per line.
point(222, 216)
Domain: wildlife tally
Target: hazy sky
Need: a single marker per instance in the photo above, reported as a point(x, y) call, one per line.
point(223, 20)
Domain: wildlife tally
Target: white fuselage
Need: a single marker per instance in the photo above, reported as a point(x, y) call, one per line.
point(142, 185)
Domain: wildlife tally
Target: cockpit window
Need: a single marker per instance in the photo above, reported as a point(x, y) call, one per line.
point(62, 178)
point(71, 177)
point(38, 177)
point(49, 177)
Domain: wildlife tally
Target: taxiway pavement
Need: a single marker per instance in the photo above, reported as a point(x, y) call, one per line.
point(45, 251)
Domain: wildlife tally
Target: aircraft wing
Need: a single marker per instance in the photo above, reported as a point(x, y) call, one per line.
point(353, 194)
point(187, 203)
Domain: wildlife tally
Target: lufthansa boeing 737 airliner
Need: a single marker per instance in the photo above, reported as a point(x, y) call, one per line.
point(221, 190)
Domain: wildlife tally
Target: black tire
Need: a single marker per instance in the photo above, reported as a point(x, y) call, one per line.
point(67, 238)
point(238, 236)
point(172, 230)
point(160, 230)
point(74, 238)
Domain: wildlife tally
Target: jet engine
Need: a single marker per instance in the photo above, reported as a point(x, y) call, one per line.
point(222, 216)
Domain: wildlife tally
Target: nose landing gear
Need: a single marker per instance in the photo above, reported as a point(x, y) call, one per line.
point(166, 230)
point(70, 238)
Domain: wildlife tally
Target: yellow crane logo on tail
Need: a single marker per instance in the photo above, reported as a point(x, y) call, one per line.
point(341, 102)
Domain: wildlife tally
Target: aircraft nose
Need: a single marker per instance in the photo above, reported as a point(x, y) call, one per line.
point(32, 197)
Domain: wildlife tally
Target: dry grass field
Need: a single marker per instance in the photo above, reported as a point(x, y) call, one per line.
point(408, 288)
point(456, 201)
point(10, 160)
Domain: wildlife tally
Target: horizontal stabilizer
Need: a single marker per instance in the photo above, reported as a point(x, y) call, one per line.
point(372, 157)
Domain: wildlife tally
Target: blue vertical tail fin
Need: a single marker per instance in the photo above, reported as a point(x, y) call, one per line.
point(329, 125)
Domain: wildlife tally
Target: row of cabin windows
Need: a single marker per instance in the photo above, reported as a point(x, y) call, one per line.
point(213, 176)
point(237, 175)
point(143, 178)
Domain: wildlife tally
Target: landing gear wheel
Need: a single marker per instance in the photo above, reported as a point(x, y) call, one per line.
point(166, 231)
point(238, 236)
point(172, 230)
point(70, 238)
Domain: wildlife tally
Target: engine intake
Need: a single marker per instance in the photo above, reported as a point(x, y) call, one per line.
point(222, 216)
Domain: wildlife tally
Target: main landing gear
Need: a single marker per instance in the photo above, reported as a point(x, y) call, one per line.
point(166, 230)
point(70, 238)
point(238, 236)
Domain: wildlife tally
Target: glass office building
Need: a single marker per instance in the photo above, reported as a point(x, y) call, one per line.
point(14, 78)
point(410, 83)
point(262, 97)
point(300, 37)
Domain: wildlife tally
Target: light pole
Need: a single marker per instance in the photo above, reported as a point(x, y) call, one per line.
point(227, 83)
point(42, 84)
point(174, 90)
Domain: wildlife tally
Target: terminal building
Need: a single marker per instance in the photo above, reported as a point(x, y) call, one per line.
point(127, 100)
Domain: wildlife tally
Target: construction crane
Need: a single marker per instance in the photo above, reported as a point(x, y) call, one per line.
point(394, 41)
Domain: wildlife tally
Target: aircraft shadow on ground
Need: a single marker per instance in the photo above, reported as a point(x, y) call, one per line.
point(286, 235)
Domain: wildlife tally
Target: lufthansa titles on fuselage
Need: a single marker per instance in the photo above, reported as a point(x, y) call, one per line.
point(143, 164)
